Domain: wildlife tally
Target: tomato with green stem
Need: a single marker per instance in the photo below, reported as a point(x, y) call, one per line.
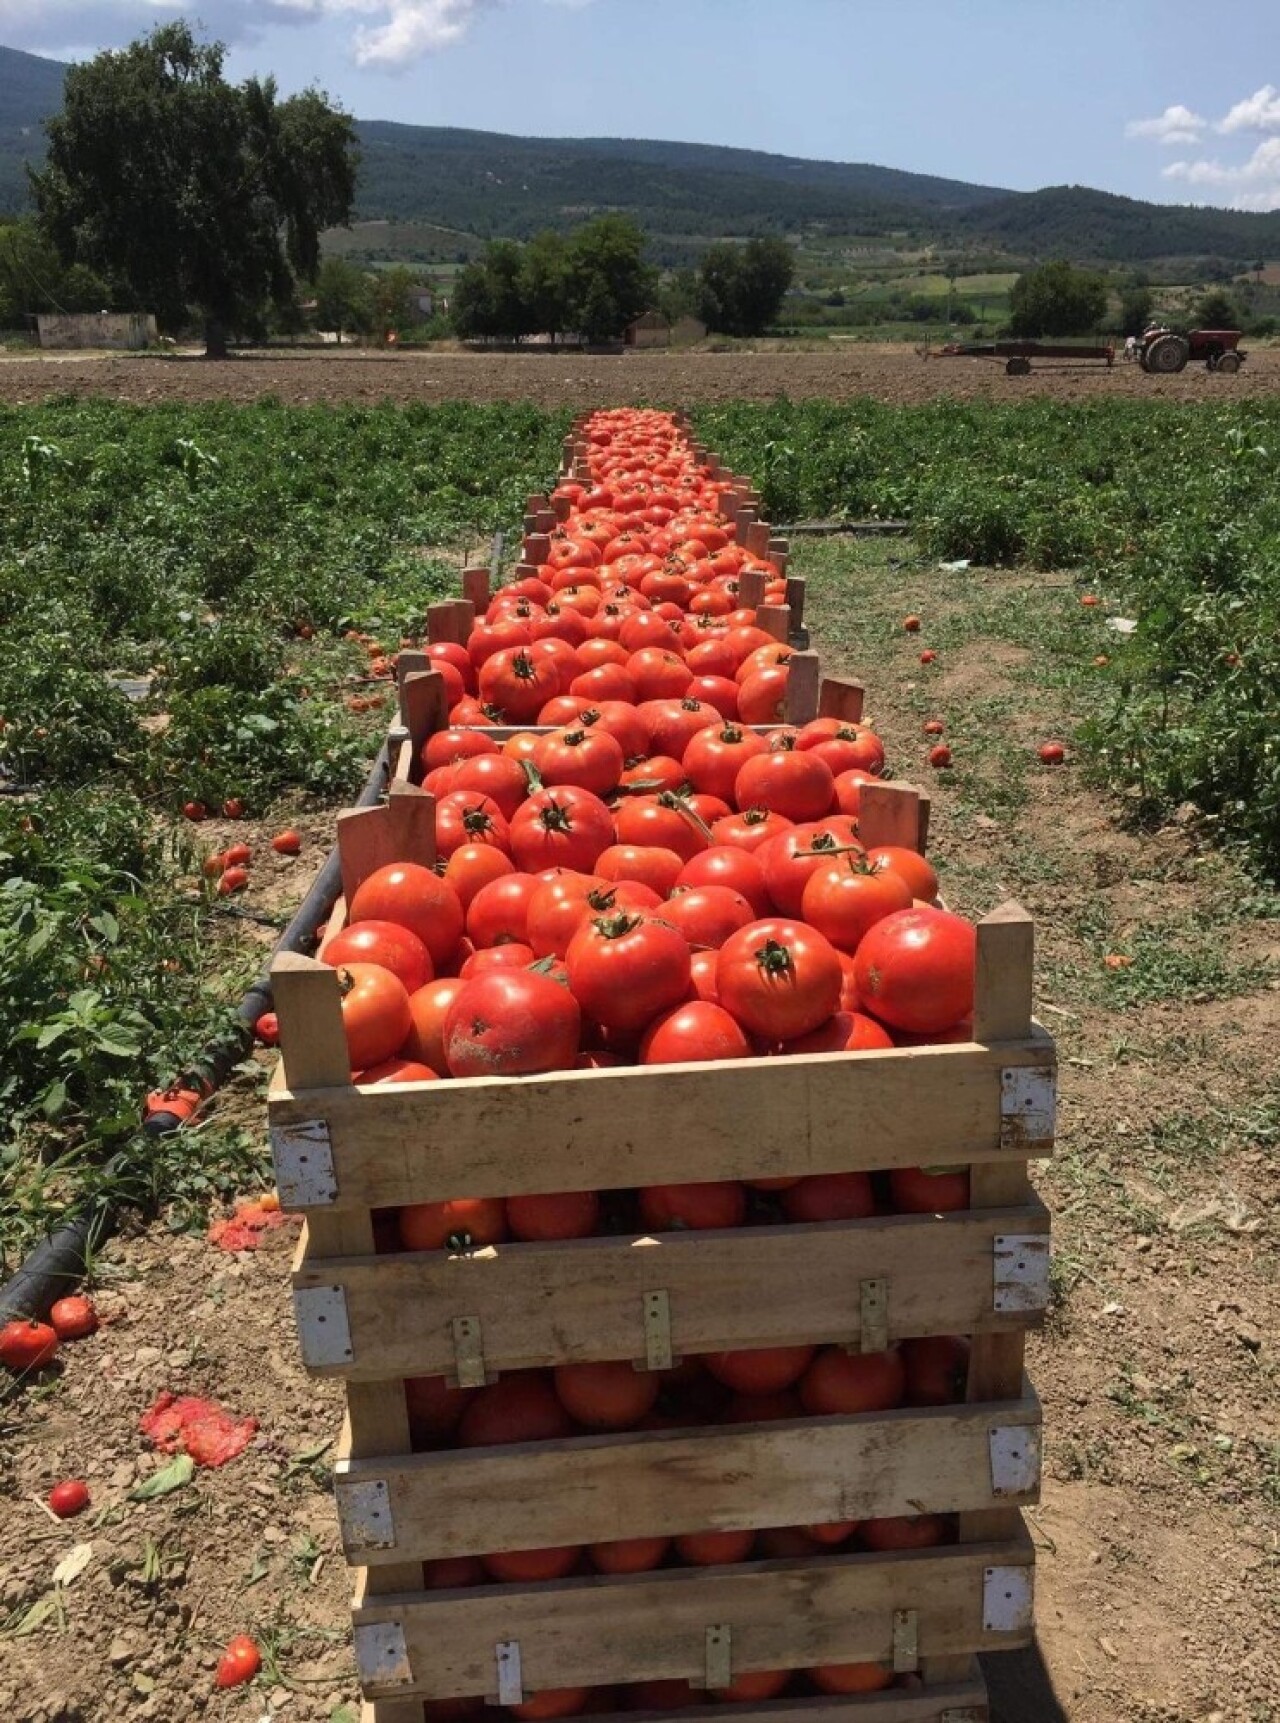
point(624, 969)
point(779, 978)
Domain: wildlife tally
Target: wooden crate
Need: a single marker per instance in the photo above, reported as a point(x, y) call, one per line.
point(343, 1152)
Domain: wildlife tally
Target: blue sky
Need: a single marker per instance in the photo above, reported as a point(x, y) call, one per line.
point(1121, 94)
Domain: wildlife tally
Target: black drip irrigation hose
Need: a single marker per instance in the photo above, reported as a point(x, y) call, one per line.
point(60, 1261)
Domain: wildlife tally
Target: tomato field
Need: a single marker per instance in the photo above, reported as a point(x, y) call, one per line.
point(202, 604)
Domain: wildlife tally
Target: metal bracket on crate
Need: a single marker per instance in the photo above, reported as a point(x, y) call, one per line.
point(324, 1332)
point(302, 1155)
point(1006, 1599)
point(382, 1657)
point(1027, 1106)
point(468, 1352)
point(1015, 1459)
point(719, 1657)
point(906, 1641)
point(364, 1514)
point(657, 1331)
point(874, 1305)
point(1020, 1266)
point(510, 1681)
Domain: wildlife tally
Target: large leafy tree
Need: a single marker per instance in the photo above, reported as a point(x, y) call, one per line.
point(1057, 299)
point(743, 286)
point(609, 281)
point(184, 190)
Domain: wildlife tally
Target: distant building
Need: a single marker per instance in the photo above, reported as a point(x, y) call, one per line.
point(129, 331)
point(650, 330)
point(686, 330)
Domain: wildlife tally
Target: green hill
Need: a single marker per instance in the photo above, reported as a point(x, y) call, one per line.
point(30, 89)
point(486, 184)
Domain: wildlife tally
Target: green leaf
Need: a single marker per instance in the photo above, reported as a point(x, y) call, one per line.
point(54, 1099)
point(106, 924)
point(175, 1476)
point(49, 1034)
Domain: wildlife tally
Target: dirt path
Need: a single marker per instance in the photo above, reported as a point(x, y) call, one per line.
point(841, 372)
point(1159, 1532)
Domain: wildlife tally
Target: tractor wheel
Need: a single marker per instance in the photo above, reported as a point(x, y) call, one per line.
point(1017, 367)
point(1168, 353)
point(1228, 362)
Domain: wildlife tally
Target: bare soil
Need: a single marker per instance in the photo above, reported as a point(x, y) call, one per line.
point(889, 373)
point(1159, 1530)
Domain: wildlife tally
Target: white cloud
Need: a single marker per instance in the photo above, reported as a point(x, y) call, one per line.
point(1259, 112)
point(1254, 184)
point(398, 32)
point(1176, 125)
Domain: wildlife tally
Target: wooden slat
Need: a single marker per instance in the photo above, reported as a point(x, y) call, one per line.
point(475, 586)
point(424, 707)
point(546, 1304)
point(580, 1130)
point(931, 1460)
point(751, 585)
point(1006, 956)
point(804, 674)
point(841, 698)
point(443, 624)
point(834, 1609)
point(775, 619)
point(402, 831)
point(963, 1700)
point(889, 814)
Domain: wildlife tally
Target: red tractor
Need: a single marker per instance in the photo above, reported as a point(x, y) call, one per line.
point(1167, 350)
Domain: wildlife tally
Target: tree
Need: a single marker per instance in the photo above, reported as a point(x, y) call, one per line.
point(744, 286)
point(469, 306)
point(1057, 299)
point(395, 298)
point(344, 297)
point(184, 190)
point(32, 277)
point(1136, 306)
point(609, 281)
point(544, 284)
point(1216, 310)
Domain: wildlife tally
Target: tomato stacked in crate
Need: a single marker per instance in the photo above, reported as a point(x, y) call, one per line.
point(680, 1367)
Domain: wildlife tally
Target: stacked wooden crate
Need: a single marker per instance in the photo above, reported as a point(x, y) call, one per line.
point(344, 1153)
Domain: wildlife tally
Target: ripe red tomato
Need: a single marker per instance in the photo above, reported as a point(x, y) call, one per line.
point(929, 1190)
point(702, 974)
point(1052, 753)
point(434, 1411)
point(195, 811)
point(468, 817)
point(386, 944)
point(568, 1214)
point(800, 851)
point(428, 1008)
point(430, 1226)
point(286, 843)
point(519, 682)
point(633, 1555)
point(233, 879)
point(472, 866)
point(672, 724)
point(922, 881)
point(762, 696)
point(727, 865)
point(915, 970)
point(830, 1196)
point(606, 1396)
point(909, 1532)
point(693, 1207)
point(586, 756)
point(74, 1317)
point(499, 776)
point(753, 1686)
point(716, 754)
point(779, 978)
point(623, 722)
point(651, 774)
point(233, 808)
point(558, 908)
point(800, 786)
point(239, 1663)
point(519, 1407)
point(695, 1031)
point(645, 864)
point(933, 726)
point(399, 1071)
point(849, 791)
point(566, 827)
point(940, 757)
point(846, 1032)
point(851, 1677)
point(718, 692)
point(911, 624)
point(625, 969)
point(509, 956)
point(448, 747)
point(532, 1567)
point(511, 1022)
point(937, 1367)
point(766, 1370)
point(267, 1029)
point(845, 899)
point(500, 910)
point(664, 821)
point(452, 1573)
point(749, 830)
point(707, 914)
point(839, 1381)
point(831, 1532)
point(239, 855)
point(715, 1549)
point(552, 1702)
point(375, 1013)
point(69, 1498)
point(413, 897)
